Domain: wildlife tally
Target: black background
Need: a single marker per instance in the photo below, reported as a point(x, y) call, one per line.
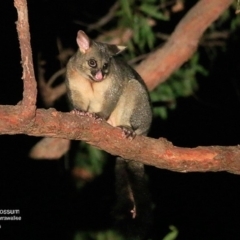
point(200, 205)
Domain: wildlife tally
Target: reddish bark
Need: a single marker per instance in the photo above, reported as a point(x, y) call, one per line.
point(156, 152)
point(29, 81)
point(183, 42)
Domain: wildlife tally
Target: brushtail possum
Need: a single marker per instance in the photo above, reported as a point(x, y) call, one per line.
point(101, 83)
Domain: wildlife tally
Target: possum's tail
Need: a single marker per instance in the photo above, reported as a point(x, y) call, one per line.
point(133, 209)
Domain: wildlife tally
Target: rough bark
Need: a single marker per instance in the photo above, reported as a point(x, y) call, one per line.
point(183, 42)
point(156, 152)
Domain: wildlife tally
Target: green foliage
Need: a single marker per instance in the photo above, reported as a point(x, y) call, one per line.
point(182, 83)
point(112, 235)
point(104, 235)
point(137, 15)
point(225, 26)
point(150, 10)
point(227, 21)
point(173, 233)
point(143, 34)
point(126, 9)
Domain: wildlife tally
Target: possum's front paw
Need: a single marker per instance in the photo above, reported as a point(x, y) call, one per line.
point(79, 112)
point(85, 113)
point(127, 132)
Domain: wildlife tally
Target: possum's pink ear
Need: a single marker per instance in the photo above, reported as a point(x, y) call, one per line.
point(83, 41)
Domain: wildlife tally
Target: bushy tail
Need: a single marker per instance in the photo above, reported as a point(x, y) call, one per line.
point(133, 208)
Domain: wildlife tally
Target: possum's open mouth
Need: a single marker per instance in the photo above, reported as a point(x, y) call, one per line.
point(97, 76)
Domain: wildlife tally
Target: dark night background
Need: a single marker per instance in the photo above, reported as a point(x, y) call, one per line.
point(201, 205)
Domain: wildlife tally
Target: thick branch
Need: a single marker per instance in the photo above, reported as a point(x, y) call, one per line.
point(29, 82)
point(156, 152)
point(158, 66)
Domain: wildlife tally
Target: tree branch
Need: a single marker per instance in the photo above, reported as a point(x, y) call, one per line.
point(29, 82)
point(183, 42)
point(156, 152)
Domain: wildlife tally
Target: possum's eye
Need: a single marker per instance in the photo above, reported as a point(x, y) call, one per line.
point(92, 63)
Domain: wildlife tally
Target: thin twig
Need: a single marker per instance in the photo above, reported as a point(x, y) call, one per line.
point(102, 21)
point(55, 76)
point(137, 59)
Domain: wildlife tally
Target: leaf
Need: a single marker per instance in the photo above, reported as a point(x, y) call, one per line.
point(160, 111)
point(126, 8)
point(152, 11)
point(173, 234)
point(202, 70)
point(146, 35)
point(136, 29)
point(150, 38)
point(142, 34)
